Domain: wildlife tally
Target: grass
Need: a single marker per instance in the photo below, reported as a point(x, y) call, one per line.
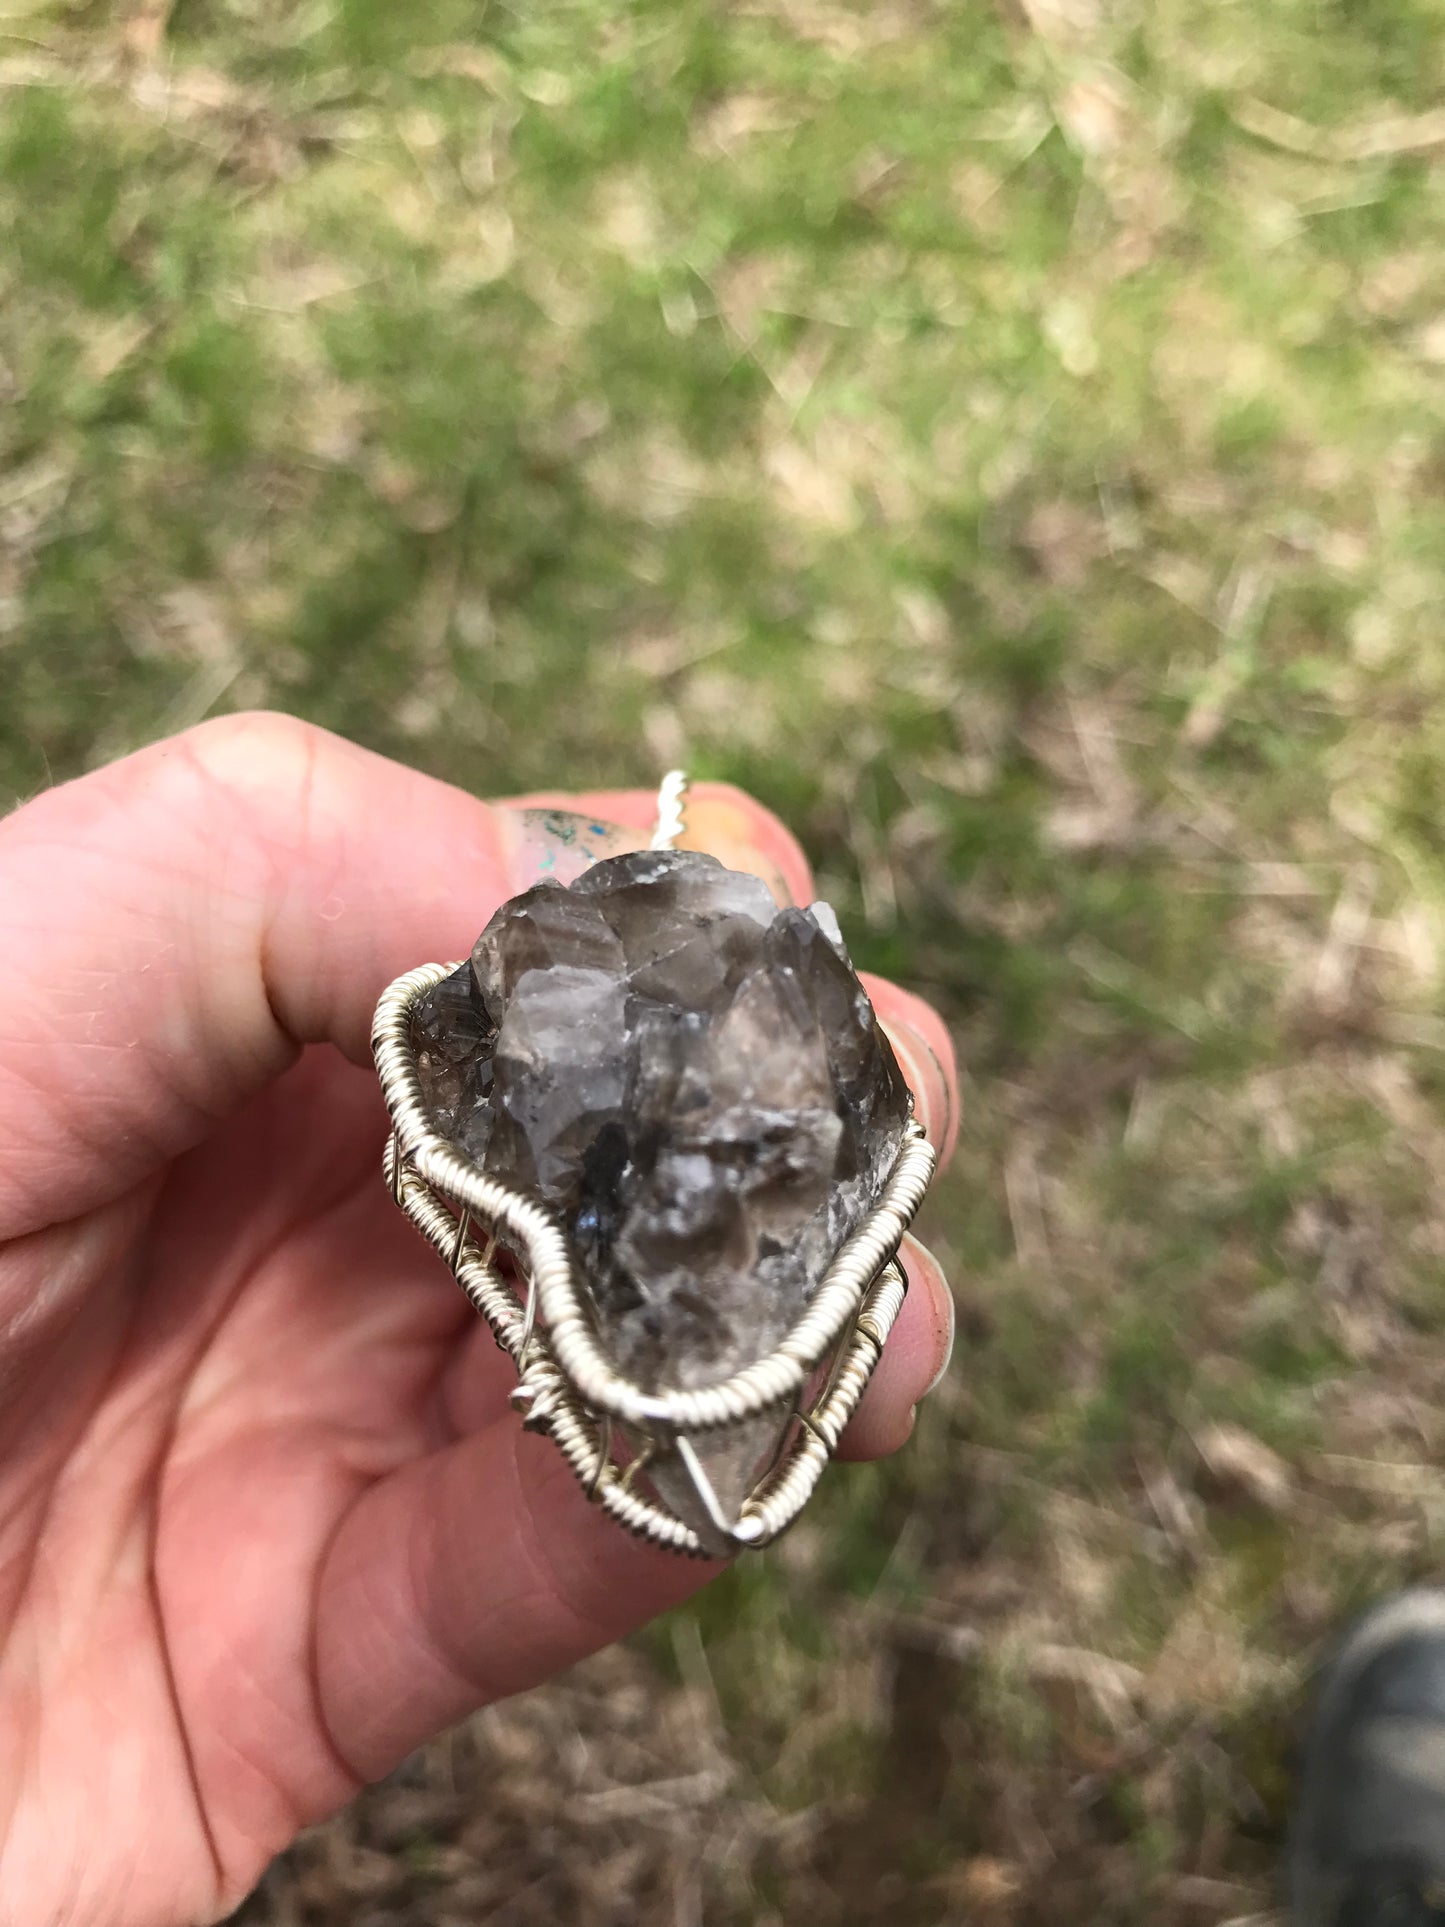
point(1009, 440)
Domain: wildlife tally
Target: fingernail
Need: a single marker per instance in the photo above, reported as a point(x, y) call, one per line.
point(942, 1295)
point(557, 843)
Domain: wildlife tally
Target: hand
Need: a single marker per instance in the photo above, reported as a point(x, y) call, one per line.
point(266, 1520)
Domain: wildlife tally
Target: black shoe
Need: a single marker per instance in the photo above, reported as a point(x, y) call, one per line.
point(1367, 1848)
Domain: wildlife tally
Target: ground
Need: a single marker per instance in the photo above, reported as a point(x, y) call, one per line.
point(1009, 439)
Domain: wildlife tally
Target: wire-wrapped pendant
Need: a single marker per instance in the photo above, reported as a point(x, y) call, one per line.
point(654, 1128)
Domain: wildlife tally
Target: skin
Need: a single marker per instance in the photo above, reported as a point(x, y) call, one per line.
point(266, 1520)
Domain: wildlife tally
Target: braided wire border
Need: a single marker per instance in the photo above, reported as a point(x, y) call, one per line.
point(567, 1385)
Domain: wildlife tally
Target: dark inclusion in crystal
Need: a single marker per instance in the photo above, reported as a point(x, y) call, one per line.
point(695, 1083)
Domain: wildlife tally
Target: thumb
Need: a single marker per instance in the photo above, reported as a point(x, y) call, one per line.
point(177, 925)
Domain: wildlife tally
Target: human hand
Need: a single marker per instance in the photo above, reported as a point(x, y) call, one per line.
point(266, 1519)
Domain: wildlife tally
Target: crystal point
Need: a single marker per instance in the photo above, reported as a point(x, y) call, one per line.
point(694, 1082)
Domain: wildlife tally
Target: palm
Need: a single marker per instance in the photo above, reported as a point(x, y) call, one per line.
point(281, 1349)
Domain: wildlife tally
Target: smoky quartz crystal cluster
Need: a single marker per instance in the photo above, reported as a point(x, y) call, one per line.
point(694, 1084)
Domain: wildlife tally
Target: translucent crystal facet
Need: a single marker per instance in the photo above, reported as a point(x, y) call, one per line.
point(694, 1082)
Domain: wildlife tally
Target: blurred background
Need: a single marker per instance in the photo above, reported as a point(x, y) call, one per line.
point(1008, 438)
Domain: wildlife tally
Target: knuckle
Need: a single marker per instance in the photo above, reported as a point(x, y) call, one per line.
point(253, 743)
point(260, 770)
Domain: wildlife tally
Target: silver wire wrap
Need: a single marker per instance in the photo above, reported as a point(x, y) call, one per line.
point(567, 1385)
point(671, 801)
